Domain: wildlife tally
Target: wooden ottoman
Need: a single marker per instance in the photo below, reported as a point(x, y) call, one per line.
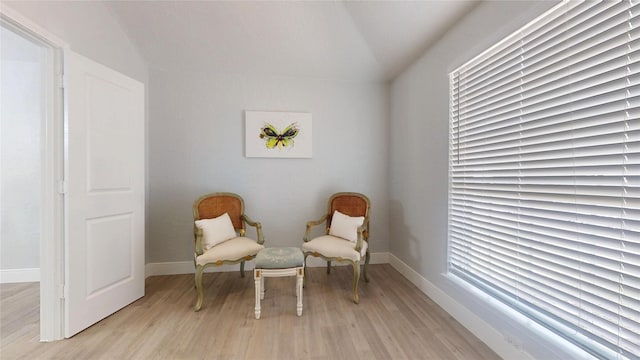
point(277, 262)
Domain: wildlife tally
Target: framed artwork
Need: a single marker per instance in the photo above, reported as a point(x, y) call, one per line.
point(277, 134)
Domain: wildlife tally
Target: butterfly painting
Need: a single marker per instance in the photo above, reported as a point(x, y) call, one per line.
point(275, 139)
point(271, 134)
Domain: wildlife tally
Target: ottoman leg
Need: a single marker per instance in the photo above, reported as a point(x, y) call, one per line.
point(257, 276)
point(299, 282)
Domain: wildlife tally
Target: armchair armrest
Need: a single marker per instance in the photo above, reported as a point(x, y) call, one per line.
point(255, 224)
point(362, 234)
point(312, 223)
point(198, 241)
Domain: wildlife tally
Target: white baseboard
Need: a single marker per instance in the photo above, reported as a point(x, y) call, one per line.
point(483, 331)
point(186, 267)
point(19, 275)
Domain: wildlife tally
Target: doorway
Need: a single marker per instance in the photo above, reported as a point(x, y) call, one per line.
point(23, 74)
point(31, 161)
point(91, 186)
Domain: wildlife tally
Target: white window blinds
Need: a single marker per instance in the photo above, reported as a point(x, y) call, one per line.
point(544, 209)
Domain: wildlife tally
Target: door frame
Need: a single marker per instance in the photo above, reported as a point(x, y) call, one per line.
point(53, 186)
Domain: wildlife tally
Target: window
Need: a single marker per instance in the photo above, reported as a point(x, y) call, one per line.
point(544, 209)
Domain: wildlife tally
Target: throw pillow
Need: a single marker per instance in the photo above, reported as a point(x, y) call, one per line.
point(216, 230)
point(345, 226)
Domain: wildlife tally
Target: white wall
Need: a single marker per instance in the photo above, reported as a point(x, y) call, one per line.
point(418, 165)
point(90, 29)
point(197, 147)
point(21, 99)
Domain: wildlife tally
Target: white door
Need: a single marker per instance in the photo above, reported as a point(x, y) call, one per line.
point(104, 245)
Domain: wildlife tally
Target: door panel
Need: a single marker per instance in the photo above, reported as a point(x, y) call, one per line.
point(109, 240)
point(105, 203)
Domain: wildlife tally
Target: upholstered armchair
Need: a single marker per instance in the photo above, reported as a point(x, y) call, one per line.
point(219, 230)
point(346, 235)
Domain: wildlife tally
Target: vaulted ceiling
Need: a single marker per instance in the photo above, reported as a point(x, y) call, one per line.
point(353, 41)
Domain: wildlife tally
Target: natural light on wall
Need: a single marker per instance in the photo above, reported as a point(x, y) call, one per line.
point(544, 209)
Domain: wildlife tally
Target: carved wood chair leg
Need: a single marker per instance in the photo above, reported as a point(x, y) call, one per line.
point(195, 283)
point(328, 267)
point(366, 263)
point(356, 277)
point(242, 269)
point(198, 278)
point(306, 273)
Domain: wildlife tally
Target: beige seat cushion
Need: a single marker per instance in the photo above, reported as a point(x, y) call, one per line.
point(232, 249)
point(335, 247)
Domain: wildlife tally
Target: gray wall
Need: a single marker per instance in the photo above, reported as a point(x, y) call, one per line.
point(418, 163)
point(197, 147)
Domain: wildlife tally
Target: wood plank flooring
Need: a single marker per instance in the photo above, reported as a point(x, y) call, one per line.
point(394, 320)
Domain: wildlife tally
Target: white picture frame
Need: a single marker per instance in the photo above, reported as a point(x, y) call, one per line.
point(271, 134)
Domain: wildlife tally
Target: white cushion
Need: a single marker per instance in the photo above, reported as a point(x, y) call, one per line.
point(216, 230)
point(345, 226)
point(335, 247)
point(231, 250)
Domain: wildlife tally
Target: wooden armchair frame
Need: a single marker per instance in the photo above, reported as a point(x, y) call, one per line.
point(351, 204)
point(213, 205)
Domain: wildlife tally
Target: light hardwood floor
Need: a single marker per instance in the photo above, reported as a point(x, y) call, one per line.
point(394, 320)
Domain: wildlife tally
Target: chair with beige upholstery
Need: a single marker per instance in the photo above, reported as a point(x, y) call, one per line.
point(346, 237)
point(219, 229)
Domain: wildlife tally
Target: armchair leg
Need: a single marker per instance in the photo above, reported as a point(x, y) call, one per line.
point(304, 278)
point(195, 286)
point(242, 269)
point(356, 277)
point(199, 271)
point(328, 267)
point(366, 262)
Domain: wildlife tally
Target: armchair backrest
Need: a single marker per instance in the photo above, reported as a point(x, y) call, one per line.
point(351, 204)
point(215, 204)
